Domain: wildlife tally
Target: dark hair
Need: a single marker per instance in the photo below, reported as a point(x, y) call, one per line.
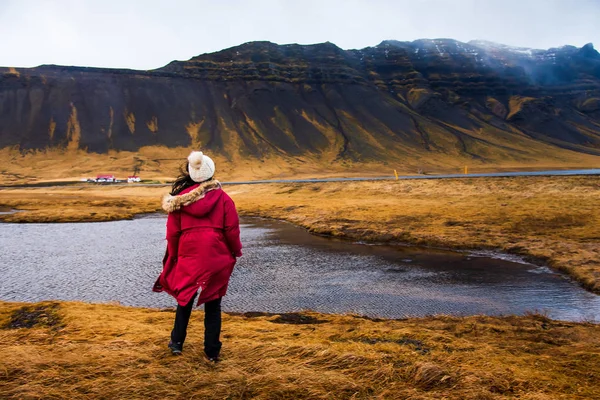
point(183, 181)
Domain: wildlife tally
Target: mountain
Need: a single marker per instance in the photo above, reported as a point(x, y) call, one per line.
point(477, 101)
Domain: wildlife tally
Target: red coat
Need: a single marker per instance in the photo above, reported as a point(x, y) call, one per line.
point(203, 242)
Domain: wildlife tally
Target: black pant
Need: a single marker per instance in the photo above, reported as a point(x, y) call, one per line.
point(212, 325)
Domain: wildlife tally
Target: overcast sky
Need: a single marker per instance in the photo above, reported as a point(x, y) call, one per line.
point(146, 34)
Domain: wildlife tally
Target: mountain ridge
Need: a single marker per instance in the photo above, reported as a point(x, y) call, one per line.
point(428, 98)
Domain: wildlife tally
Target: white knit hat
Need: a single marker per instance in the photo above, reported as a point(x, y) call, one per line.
point(201, 167)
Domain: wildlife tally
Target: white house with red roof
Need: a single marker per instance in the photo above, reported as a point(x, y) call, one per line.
point(105, 178)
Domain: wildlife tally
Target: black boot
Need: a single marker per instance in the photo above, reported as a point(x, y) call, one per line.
point(179, 332)
point(212, 330)
point(176, 348)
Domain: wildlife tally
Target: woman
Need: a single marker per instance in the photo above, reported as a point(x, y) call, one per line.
point(203, 242)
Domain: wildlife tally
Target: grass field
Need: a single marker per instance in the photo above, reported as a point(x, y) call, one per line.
point(74, 350)
point(158, 163)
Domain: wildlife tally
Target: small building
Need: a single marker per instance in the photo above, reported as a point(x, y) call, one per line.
point(105, 178)
point(133, 178)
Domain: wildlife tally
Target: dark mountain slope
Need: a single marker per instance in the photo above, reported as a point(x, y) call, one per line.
point(398, 100)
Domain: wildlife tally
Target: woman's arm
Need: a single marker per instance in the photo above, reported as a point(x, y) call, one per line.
point(232, 228)
point(173, 233)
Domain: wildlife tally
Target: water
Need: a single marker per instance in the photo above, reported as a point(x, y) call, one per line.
point(283, 269)
point(7, 211)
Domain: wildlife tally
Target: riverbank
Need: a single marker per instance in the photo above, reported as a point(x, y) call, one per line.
point(553, 220)
point(78, 350)
point(550, 220)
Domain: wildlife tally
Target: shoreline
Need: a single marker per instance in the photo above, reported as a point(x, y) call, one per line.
point(547, 221)
point(294, 314)
point(530, 314)
point(522, 258)
point(521, 253)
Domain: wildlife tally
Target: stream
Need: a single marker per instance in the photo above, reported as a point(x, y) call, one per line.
point(284, 269)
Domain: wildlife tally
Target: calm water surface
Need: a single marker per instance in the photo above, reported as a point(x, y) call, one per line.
point(283, 269)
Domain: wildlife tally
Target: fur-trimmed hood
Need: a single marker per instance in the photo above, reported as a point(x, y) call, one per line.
point(174, 203)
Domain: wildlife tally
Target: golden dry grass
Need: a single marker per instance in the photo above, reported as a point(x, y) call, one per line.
point(159, 163)
point(90, 204)
point(81, 351)
point(555, 220)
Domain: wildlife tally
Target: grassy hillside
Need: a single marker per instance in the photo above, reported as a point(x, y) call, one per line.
point(158, 163)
